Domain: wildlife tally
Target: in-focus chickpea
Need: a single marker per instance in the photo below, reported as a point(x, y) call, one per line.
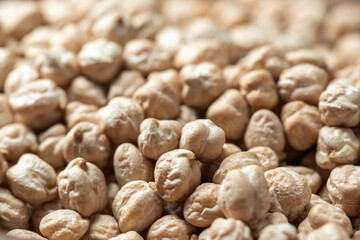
point(100, 60)
point(24, 234)
point(177, 173)
point(131, 165)
point(329, 231)
point(22, 74)
point(126, 84)
point(336, 146)
point(230, 112)
point(76, 112)
point(38, 213)
point(131, 235)
point(6, 114)
point(229, 228)
point(203, 83)
point(309, 56)
point(280, 231)
point(136, 206)
point(82, 187)
point(170, 227)
point(102, 227)
point(258, 88)
point(201, 207)
point(267, 157)
point(63, 225)
point(186, 115)
point(302, 123)
point(312, 177)
point(7, 59)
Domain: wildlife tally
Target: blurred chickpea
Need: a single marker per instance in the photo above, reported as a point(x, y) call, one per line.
point(265, 129)
point(7, 59)
point(231, 113)
point(302, 123)
point(121, 119)
point(102, 227)
point(76, 112)
point(203, 83)
point(179, 11)
point(70, 37)
point(137, 205)
point(144, 56)
point(170, 38)
point(186, 115)
point(3, 168)
point(6, 114)
point(229, 228)
point(24, 234)
point(131, 165)
point(46, 208)
point(329, 231)
point(280, 231)
point(267, 157)
point(160, 96)
point(100, 60)
point(77, 190)
point(229, 13)
point(22, 74)
point(309, 56)
point(233, 74)
point(258, 88)
point(203, 138)
point(268, 220)
point(131, 235)
point(311, 176)
point(126, 84)
point(147, 23)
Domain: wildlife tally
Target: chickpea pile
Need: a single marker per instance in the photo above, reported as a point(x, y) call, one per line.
point(180, 119)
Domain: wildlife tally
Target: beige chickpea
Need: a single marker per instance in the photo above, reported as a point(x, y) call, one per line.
point(13, 212)
point(137, 205)
point(203, 83)
point(289, 192)
point(186, 115)
point(82, 187)
point(336, 146)
point(100, 60)
point(24, 234)
point(85, 91)
point(268, 220)
point(201, 208)
point(329, 231)
point(339, 105)
point(280, 231)
point(174, 208)
point(309, 161)
point(160, 96)
point(6, 114)
point(230, 112)
point(258, 88)
point(113, 189)
point(267, 157)
point(70, 37)
point(315, 200)
point(32, 179)
point(63, 225)
point(121, 119)
point(312, 177)
point(7, 58)
point(177, 173)
point(45, 107)
point(265, 129)
point(342, 186)
point(76, 112)
point(131, 165)
point(144, 56)
point(203, 138)
point(233, 74)
point(38, 213)
point(4, 166)
point(102, 227)
point(22, 74)
point(244, 195)
point(309, 56)
point(131, 235)
point(126, 84)
point(229, 13)
point(170, 227)
point(178, 12)
point(158, 137)
point(170, 38)
point(147, 23)
point(88, 141)
point(302, 123)
point(229, 228)
point(16, 139)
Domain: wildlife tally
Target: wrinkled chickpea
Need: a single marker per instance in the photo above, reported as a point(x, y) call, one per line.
point(226, 229)
point(102, 227)
point(309, 56)
point(24, 234)
point(267, 157)
point(126, 84)
point(76, 112)
point(329, 231)
point(280, 231)
point(6, 114)
point(311, 176)
point(38, 214)
point(131, 235)
point(22, 74)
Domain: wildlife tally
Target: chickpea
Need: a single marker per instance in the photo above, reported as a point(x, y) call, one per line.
point(309, 161)
point(203, 83)
point(136, 206)
point(177, 174)
point(186, 115)
point(302, 123)
point(3, 168)
point(38, 213)
point(309, 56)
point(131, 235)
point(267, 157)
point(269, 219)
point(258, 88)
point(178, 12)
point(265, 129)
point(63, 224)
point(7, 59)
point(77, 188)
point(226, 229)
point(24, 234)
point(70, 37)
point(170, 38)
point(311, 176)
point(233, 74)
point(281, 231)
point(329, 231)
point(126, 84)
point(76, 112)
point(102, 227)
point(228, 13)
point(131, 165)
point(170, 227)
point(147, 23)
point(6, 114)
point(113, 189)
point(158, 137)
point(22, 74)
point(230, 112)
point(121, 119)
point(336, 146)
point(100, 60)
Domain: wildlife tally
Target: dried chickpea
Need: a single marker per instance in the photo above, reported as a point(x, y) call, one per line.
point(309, 56)
point(32, 179)
point(158, 137)
point(268, 219)
point(303, 82)
point(329, 231)
point(102, 227)
point(16, 139)
point(22, 74)
point(76, 112)
point(131, 165)
point(267, 157)
point(186, 115)
point(6, 114)
point(203, 138)
point(7, 59)
point(121, 119)
point(39, 213)
point(342, 186)
point(258, 88)
point(160, 95)
point(177, 174)
point(82, 187)
point(311, 176)
point(174, 208)
point(179, 11)
point(336, 146)
point(226, 229)
point(100, 60)
point(302, 123)
point(70, 37)
point(63, 225)
point(170, 227)
point(88, 141)
point(13, 212)
point(309, 161)
point(230, 112)
point(233, 74)
point(203, 83)
point(113, 189)
point(144, 56)
point(136, 206)
point(147, 23)
point(201, 207)
point(131, 235)
point(126, 84)
point(170, 38)
point(279, 231)
point(289, 192)
point(265, 129)
point(24, 234)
